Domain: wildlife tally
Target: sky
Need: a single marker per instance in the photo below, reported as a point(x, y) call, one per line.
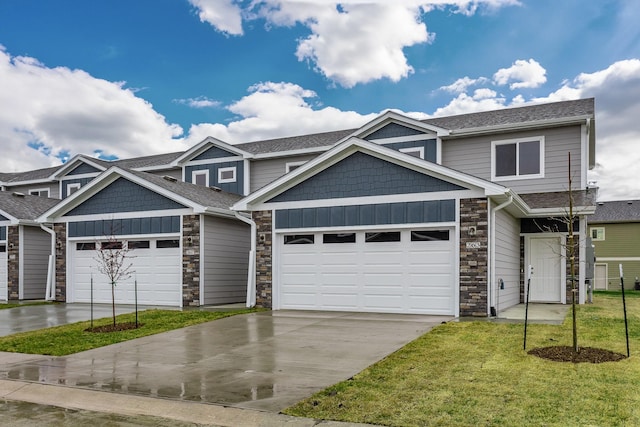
point(120, 78)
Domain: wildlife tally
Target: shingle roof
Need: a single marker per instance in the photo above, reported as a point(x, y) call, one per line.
point(617, 211)
point(147, 161)
point(560, 199)
point(199, 194)
point(33, 175)
point(324, 139)
point(25, 206)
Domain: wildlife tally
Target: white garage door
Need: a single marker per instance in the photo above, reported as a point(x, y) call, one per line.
point(408, 271)
point(156, 268)
point(3, 273)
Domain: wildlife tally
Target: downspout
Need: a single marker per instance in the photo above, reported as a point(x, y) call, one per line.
point(251, 274)
point(50, 293)
point(492, 291)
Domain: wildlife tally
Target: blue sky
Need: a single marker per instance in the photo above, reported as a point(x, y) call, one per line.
point(120, 78)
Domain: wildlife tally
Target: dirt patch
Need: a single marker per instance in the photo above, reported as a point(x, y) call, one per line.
point(115, 328)
point(584, 354)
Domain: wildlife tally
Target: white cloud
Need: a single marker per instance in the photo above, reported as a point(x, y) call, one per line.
point(223, 15)
point(199, 102)
point(461, 85)
point(350, 42)
point(60, 111)
point(525, 74)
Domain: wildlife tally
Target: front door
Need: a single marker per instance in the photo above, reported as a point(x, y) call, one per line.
point(600, 277)
point(545, 255)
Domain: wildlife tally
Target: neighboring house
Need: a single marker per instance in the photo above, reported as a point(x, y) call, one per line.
point(187, 248)
point(615, 234)
point(435, 216)
point(25, 246)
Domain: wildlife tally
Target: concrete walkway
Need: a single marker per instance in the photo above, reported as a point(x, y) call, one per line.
point(538, 313)
point(248, 363)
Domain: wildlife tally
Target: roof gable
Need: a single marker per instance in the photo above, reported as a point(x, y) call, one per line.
point(210, 148)
point(360, 175)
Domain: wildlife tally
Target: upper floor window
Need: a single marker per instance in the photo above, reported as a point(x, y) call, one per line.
point(597, 233)
point(517, 158)
point(200, 177)
point(42, 192)
point(414, 151)
point(226, 175)
point(72, 188)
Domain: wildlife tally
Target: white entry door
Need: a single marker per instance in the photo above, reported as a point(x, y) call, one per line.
point(600, 277)
point(545, 255)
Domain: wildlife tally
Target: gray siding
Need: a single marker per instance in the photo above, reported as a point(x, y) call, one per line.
point(226, 258)
point(362, 175)
point(473, 156)
point(81, 181)
point(214, 153)
point(265, 171)
point(36, 251)
point(124, 196)
point(236, 187)
point(125, 226)
point(83, 168)
point(54, 189)
point(507, 262)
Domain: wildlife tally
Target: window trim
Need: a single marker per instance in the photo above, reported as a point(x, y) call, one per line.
point(295, 165)
point(419, 150)
point(517, 142)
point(33, 192)
point(601, 239)
point(199, 172)
point(73, 185)
point(226, 180)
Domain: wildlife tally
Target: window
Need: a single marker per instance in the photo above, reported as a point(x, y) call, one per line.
point(164, 244)
point(3, 248)
point(339, 238)
point(429, 235)
point(226, 175)
point(290, 166)
point(519, 159)
point(414, 151)
point(385, 236)
point(299, 239)
point(597, 233)
point(138, 244)
point(72, 188)
point(111, 245)
point(200, 178)
point(86, 246)
point(42, 192)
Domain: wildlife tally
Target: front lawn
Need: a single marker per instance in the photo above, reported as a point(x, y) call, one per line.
point(68, 339)
point(477, 374)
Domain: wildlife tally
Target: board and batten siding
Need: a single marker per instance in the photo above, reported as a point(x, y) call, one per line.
point(473, 156)
point(36, 251)
point(507, 259)
point(226, 248)
point(268, 170)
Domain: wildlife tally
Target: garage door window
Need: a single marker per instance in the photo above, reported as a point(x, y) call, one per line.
point(429, 235)
point(87, 246)
point(139, 244)
point(339, 238)
point(111, 245)
point(3, 248)
point(385, 236)
point(299, 239)
point(164, 244)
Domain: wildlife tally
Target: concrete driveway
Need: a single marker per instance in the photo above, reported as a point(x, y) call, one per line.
point(266, 361)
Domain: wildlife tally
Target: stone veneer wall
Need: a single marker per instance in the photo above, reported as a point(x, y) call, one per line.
point(473, 258)
point(264, 257)
point(61, 261)
point(191, 260)
point(13, 262)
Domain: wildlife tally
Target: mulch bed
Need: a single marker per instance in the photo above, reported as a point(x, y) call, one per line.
point(584, 354)
point(115, 328)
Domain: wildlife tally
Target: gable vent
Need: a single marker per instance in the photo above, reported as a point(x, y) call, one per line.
point(169, 178)
point(17, 194)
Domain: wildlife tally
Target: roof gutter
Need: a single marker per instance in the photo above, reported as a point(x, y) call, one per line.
point(50, 293)
point(517, 126)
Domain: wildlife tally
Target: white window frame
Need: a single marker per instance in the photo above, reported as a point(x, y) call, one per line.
point(37, 191)
point(599, 232)
point(294, 165)
point(225, 180)
point(73, 186)
point(419, 150)
point(199, 172)
point(517, 141)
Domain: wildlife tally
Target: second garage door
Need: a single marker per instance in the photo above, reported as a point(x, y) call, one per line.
point(396, 271)
point(157, 267)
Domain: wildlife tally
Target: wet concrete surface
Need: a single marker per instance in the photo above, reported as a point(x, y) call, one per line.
point(265, 361)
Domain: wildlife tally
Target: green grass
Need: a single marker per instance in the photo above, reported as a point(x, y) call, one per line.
point(23, 304)
point(477, 374)
point(69, 339)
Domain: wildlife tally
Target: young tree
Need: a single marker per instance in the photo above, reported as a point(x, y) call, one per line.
point(113, 260)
